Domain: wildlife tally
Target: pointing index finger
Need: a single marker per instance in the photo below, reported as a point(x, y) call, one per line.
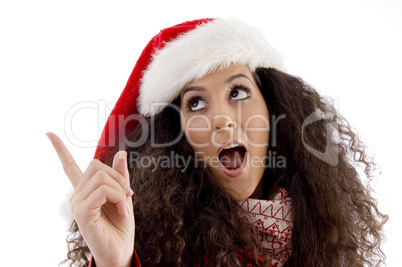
point(70, 167)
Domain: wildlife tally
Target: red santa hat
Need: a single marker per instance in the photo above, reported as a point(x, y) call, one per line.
point(177, 56)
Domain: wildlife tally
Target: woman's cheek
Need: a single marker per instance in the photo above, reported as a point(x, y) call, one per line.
point(257, 130)
point(198, 132)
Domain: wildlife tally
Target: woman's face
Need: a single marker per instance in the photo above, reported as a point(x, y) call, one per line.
point(226, 122)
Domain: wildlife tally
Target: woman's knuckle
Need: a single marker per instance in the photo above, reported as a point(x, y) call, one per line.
point(121, 179)
point(103, 189)
point(94, 162)
point(101, 175)
point(71, 201)
point(73, 208)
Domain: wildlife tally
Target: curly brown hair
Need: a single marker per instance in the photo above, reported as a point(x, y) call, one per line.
point(184, 217)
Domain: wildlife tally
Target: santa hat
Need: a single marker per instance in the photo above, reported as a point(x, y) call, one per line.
point(177, 56)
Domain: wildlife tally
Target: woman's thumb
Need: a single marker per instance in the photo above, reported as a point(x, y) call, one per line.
point(120, 164)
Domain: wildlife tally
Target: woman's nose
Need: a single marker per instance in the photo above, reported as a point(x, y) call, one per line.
point(223, 118)
point(222, 122)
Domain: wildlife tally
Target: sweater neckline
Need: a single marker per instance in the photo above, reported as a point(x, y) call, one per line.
point(274, 222)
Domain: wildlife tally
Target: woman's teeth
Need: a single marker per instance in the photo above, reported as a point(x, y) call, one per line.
point(231, 146)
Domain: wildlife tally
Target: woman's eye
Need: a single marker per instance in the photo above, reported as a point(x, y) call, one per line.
point(239, 93)
point(195, 104)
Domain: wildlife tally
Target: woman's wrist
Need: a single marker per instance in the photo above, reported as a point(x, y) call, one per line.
point(94, 263)
point(133, 261)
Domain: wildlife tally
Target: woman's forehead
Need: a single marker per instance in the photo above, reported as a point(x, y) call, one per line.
point(224, 74)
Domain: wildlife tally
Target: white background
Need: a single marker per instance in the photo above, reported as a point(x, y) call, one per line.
point(56, 54)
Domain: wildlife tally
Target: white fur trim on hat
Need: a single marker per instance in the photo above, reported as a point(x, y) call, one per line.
point(65, 210)
point(194, 54)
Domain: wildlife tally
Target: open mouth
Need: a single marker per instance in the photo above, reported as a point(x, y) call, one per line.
point(232, 159)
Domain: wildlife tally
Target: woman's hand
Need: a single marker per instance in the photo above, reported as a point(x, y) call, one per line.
point(101, 205)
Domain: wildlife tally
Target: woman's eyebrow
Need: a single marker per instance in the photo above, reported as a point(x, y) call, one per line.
point(236, 76)
point(193, 88)
point(231, 79)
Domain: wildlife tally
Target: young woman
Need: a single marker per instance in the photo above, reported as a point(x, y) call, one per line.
point(223, 159)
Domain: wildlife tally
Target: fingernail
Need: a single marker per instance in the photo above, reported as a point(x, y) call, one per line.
point(129, 191)
point(123, 154)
